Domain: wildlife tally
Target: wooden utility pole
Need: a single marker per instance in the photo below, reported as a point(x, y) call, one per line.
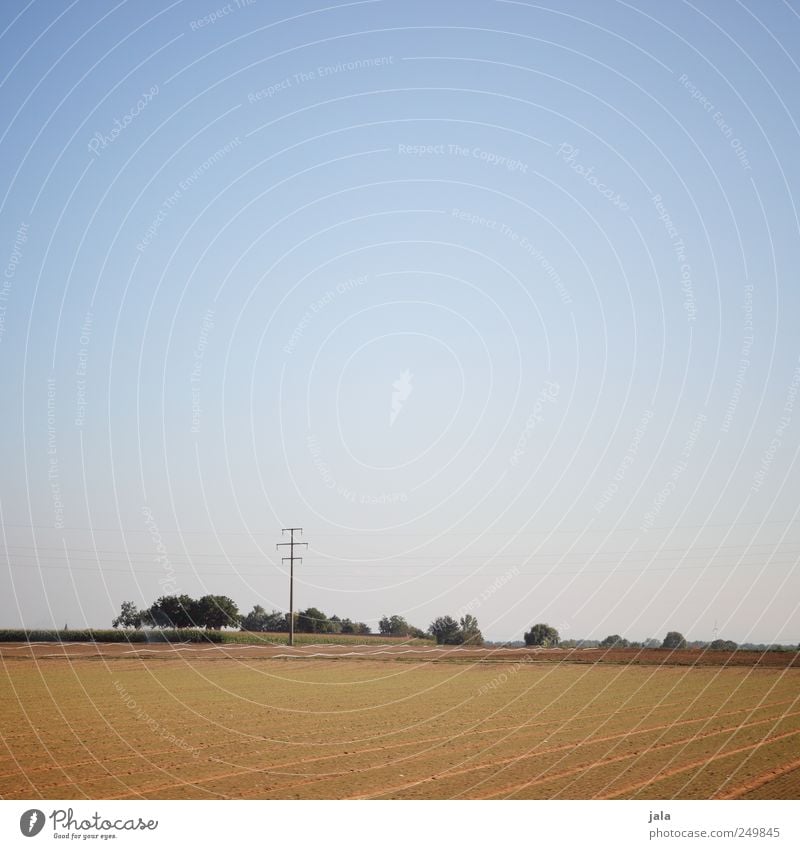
point(291, 558)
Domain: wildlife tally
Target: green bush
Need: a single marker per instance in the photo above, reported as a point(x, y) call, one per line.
point(190, 635)
point(166, 635)
point(280, 638)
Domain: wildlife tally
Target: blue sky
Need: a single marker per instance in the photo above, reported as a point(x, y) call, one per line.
point(497, 300)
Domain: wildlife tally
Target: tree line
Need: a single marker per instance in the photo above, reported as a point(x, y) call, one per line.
point(180, 611)
point(215, 612)
point(545, 636)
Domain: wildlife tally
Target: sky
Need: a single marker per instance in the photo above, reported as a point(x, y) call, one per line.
point(496, 300)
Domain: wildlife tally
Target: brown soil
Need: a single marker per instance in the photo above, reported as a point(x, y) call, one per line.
point(91, 721)
point(163, 651)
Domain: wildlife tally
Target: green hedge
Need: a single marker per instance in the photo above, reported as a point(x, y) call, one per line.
point(192, 635)
point(300, 639)
point(174, 635)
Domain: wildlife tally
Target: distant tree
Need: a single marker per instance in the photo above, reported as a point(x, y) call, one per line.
point(311, 621)
point(216, 611)
point(446, 631)
point(157, 616)
point(334, 625)
point(722, 645)
point(187, 612)
point(470, 632)
point(259, 620)
point(413, 631)
point(174, 611)
point(277, 621)
point(394, 626)
point(399, 626)
point(255, 620)
point(614, 641)
point(350, 627)
point(541, 635)
point(674, 640)
point(129, 617)
point(651, 643)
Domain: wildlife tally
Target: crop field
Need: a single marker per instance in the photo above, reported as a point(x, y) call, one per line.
point(197, 635)
point(93, 722)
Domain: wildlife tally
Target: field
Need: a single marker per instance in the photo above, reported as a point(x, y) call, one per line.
point(120, 721)
point(195, 635)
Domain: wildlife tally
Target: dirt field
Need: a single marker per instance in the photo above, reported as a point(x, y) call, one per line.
point(398, 651)
point(89, 721)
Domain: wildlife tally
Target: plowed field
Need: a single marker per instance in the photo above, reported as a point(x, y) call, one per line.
point(93, 722)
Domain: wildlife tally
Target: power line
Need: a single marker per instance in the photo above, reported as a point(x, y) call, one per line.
point(126, 555)
point(67, 566)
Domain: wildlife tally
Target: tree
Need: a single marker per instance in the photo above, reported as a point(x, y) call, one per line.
point(722, 645)
point(674, 640)
point(470, 633)
point(255, 619)
point(394, 626)
point(174, 611)
point(446, 630)
point(350, 627)
point(187, 612)
point(542, 635)
point(651, 643)
point(614, 641)
point(129, 616)
point(311, 621)
point(157, 616)
point(413, 631)
point(259, 620)
point(216, 611)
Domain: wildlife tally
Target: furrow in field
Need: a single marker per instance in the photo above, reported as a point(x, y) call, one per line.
point(447, 774)
point(635, 787)
point(352, 754)
point(340, 728)
point(786, 786)
point(759, 781)
point(350, 758)
point(600, 763)
point(522, 790)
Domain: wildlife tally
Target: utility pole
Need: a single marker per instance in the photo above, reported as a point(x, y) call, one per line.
point(291, 558)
